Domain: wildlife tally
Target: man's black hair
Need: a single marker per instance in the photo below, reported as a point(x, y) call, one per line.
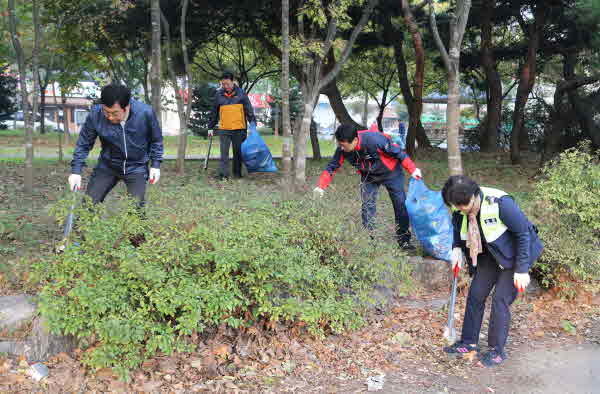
point(114, 93)
point(459, 189)
point(346, 133)
point(227, 75)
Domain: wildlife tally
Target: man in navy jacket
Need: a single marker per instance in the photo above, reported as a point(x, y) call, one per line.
point(379, 162)
point(501, 245)
point(130, 137)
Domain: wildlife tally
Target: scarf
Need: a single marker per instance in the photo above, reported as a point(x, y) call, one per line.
point(473, 234)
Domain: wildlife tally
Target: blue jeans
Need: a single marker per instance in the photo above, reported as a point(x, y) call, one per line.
point(395, 187)
point(487, 276)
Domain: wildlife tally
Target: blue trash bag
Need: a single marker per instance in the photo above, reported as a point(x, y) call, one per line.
point(255, 153)
point(430, 220)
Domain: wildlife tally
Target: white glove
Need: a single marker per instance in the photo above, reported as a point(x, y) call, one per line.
point(521, 281)
point(416, 174)
point(74, 182)
point(154, 175)
point(210, 133)
point(456, 258)
point(318, 192)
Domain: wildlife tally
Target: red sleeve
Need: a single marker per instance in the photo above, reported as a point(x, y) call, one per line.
point(325, 179)
point(409, 165)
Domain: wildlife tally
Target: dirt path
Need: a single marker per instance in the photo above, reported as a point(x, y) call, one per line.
point(561, 369)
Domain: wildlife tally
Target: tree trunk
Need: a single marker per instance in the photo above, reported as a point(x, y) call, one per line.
point(380, 117)
point(43, 108)
point(314, 140)
point(12, 19)
point(63, 98)
point(453, 123)
point(183, 109)
point(527, 77)
point(489, 135)
point(60, 135)
point(418, 81)
point(286, 146)
point(365, 113)
point(415, 132)
point(451, 59)
point(337, 105)
point(300, 136)
point(155, 71)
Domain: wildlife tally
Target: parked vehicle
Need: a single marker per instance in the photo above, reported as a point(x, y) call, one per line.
point(17, 119)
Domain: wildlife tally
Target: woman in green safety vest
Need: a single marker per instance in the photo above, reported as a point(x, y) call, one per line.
point(500, 245)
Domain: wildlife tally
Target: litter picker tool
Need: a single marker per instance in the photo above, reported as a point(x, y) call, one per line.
point(208, 153)
point(450, 331)
point(68, 227)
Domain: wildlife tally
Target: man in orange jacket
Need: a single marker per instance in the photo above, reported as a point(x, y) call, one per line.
point(232, 111)
point(379, 162)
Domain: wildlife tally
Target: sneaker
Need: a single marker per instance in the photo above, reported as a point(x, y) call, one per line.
point(492, 358)
point(460, 349)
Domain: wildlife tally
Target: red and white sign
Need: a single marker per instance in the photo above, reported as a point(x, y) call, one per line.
point(260, 100)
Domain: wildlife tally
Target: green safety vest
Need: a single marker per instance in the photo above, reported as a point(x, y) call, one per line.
point(489, 214)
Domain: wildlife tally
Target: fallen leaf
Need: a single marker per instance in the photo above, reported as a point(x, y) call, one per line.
point(11, 379)
point(105, 373)
point(223, 350)
point(470, 356)
point(149, 386)
point(196, 363)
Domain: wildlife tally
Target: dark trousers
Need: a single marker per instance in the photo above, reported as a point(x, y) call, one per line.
point(234, 138)
point(487, 276)
point(104, 180)
point(395, 187)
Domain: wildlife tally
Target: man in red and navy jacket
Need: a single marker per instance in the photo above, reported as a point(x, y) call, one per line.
point(379, 162)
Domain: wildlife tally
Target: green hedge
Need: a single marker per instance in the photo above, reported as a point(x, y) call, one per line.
point(208, 258)
point(567, 209)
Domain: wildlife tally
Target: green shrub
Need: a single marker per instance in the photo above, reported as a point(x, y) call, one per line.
point(568, 212)
point(207, 259)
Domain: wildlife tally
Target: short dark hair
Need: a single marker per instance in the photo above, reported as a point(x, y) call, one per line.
point(114, 93)
point(346, 133)
point(459, 189)
point(227, 75)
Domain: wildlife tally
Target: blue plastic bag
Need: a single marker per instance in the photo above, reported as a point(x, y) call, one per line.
point(256, 154)
point(430, 220)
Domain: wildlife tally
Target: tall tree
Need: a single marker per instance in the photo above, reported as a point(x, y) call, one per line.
point(29, 119)
point(374, 73)
point(183, 107)
point(451, 59)
point(527, 75)
point(243, 56)
point(415, 101)
point(313, 54)
point(489, 136)
point(155, 72)
point(285, 88)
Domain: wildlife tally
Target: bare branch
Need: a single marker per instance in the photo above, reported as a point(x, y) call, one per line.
point(437, 38)
point(349, 45)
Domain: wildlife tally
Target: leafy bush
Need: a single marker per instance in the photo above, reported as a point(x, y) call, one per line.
point(569, 215)
point(207, 259)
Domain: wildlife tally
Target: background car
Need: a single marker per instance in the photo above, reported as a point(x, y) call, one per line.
point(16, 119)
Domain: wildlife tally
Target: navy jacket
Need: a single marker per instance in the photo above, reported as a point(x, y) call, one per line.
point(125, 151)
point(238, 97)
point(375, 157)
point(518, 248)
